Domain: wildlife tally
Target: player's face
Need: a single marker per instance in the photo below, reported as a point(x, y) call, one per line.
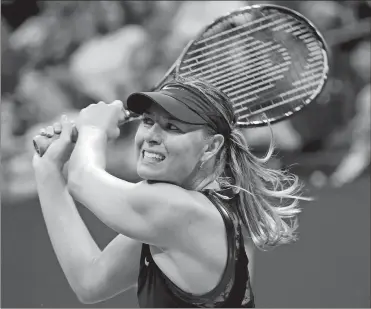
point(167, 149)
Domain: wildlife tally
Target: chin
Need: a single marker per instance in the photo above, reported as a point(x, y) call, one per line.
point(148, 173)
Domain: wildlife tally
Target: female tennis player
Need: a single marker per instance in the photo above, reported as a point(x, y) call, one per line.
point(183, 229)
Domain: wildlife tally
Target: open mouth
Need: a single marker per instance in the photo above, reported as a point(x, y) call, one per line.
point(152, 156)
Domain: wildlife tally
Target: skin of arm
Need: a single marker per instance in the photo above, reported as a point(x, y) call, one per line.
point(94, 275)
point(150, 213)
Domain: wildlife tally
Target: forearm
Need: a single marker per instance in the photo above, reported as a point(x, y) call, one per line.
point(88, 182)
point(98, 191)
point(112, 200)
point(90, 150)
point(70, 238)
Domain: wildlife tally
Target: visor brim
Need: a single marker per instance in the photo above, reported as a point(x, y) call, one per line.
point(140, 102)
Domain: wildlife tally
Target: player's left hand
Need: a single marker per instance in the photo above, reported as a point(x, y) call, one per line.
point(102, 116)
point(59, 138)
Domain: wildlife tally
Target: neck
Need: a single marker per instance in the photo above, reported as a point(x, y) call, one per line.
point(202, 179)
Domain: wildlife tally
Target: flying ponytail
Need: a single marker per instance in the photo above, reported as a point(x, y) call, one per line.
point(267, 199)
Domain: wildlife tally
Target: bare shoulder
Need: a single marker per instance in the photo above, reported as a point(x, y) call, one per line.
point(175, 214)
point(190, 215)
point(167, 198)
point(162, 190)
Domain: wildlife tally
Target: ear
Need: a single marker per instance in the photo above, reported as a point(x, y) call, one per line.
point(213, 146)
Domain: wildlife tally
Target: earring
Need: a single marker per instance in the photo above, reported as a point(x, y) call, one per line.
point(202, 164)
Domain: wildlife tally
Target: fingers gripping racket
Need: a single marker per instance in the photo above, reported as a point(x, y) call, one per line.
point(270, 60)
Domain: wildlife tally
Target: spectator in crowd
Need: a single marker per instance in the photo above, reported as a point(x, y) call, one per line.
point(358, 157)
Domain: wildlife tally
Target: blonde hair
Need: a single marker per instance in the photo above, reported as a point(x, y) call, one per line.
point(268, 199)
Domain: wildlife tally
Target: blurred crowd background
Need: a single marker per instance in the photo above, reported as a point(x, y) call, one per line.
point(60, 56)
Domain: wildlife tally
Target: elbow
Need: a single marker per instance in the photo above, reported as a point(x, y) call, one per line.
point(86, 299)
point(93, 286)
point(87, 294)
point(86, 285)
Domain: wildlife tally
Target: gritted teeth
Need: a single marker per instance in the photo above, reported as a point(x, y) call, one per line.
point(153, 155)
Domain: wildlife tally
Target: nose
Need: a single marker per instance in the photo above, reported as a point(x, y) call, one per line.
point(154, 135)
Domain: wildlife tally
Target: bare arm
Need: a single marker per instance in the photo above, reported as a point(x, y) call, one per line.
point(149, 213)
point(94, 275)
point(113, 271)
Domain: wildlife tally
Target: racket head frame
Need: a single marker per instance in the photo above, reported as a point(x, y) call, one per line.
point(325, 52)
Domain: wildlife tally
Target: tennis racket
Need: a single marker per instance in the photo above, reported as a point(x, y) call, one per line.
point(270, 60)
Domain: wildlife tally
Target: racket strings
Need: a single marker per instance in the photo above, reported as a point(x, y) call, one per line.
point(270, 74)
point(282, 99)
point(221, 52)
point(246, 24)
point(233, 37)
point(289, 27)
point(214, 49)
point(214, 63)
point(214, 70)
point(226, 62)
point(262, 62)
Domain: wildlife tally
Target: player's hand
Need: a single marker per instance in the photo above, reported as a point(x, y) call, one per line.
point(102, 116)
point(61, 147)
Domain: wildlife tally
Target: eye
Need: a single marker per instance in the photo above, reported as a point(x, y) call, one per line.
point(147, 121)
point(172, 127)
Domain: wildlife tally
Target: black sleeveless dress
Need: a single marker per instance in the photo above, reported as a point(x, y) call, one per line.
point(155, 290)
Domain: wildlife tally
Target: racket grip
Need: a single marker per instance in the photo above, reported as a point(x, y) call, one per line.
point(42, 143)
